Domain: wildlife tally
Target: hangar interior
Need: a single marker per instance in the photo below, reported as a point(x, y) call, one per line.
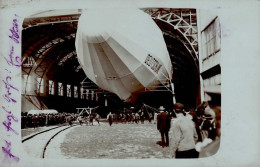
point(52, 78)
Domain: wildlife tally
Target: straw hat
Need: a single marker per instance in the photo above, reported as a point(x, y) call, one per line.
point(208, 113)
point(161, 108)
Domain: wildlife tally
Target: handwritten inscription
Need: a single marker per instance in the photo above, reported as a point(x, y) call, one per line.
point(153, 63)
point(7, 123)
point(8, 88)
point(15, 31)
point(13, 61)
point(8, 96)
point(7, 150)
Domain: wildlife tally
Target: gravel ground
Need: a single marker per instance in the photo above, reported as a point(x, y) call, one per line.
point(120, 141)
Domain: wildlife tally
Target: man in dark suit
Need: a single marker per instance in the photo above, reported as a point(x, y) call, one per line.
point(163, 125)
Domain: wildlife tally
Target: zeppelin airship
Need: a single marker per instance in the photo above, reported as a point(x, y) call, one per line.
point(122, 51)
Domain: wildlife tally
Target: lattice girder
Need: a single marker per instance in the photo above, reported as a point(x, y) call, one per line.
point(182, 20)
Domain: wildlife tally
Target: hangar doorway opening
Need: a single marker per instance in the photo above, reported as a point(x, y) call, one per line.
point(52, 77)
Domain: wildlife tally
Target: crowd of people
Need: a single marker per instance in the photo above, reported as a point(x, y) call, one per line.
point(191, 131)
point(88, 119)
point(42, 119)
point(129, 117)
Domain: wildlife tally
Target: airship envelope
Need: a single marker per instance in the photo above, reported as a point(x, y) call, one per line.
point(122, 51)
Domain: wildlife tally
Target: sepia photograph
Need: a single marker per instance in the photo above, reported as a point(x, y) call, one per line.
point(121, 83)
point(133, 83)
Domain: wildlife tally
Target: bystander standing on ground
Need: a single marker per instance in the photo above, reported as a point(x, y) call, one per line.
point(155, 117)
point(150, 116)
point(98, 118)
point(137, 117)
point(142, 117)
point(184, 135)
point(91, 117)
point(69, 120)
point(209, 146)
point(110, 118)
point(80, 120)
point(47, 120)
point(35, 121)
point(163, 125)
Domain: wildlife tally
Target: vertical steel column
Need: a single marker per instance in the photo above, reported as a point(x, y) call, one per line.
point(56, 87)
point(173, 94)
point(200, 55)
point(64, 89)
point(46, 86)
point(72, 91)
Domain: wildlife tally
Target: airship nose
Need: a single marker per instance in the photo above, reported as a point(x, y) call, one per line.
point(94, 28)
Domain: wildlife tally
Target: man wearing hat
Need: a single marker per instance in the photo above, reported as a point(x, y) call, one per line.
point(212, 111)
point(163, 125)
point(184, 135)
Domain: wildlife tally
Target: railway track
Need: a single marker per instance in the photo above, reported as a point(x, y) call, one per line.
point(36, 144)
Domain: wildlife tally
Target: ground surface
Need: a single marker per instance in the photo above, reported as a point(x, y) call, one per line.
point(120, 141)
